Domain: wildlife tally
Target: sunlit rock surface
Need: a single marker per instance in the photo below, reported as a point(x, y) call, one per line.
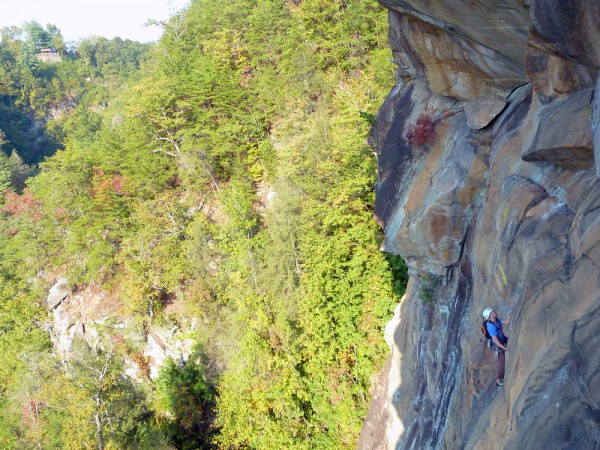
point(84, 314)
point(496, 199)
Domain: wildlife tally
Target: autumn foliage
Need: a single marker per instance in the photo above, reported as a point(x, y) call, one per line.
point(156, 195)
point(22, 205)
point(104, 185)
point(422, 132)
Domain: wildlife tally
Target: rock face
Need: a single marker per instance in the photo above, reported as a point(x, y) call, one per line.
point(488, 151)
point(89, 313)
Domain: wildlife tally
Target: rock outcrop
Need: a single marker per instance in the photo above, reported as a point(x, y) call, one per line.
point(93, 315)
point(489, 158)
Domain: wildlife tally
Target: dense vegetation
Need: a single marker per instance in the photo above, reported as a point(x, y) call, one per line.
point(224, 170)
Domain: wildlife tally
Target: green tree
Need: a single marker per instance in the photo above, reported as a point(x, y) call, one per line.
point(37, 37)
point(185, 400)
point(21, 336)
point(228, 180)
point(109, 411)
point(4, 168)
point(19, 171)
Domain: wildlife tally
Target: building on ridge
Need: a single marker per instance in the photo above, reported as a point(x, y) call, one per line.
point(48, 55)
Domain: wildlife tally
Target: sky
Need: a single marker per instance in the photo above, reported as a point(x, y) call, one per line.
point(77, 19)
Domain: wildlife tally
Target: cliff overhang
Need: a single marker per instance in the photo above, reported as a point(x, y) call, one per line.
point(489, 156)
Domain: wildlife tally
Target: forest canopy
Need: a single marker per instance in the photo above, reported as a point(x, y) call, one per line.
point(220, 177)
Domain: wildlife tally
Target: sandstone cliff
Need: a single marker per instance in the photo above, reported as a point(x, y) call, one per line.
point(489, 157)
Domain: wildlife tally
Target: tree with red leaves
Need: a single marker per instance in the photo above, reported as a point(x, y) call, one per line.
point(22, 205)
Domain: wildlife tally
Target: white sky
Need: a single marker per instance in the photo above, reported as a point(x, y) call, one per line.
point(78, 19)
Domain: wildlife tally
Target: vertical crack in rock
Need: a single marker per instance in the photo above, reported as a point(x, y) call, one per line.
point(451, 363)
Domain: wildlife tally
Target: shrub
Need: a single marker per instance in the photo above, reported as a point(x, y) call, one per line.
point(367, 117)
point(422, 132)
point(428, 288)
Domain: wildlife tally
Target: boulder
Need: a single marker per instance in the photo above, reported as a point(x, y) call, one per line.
point(58, 292)
point(553, 76)
point(481, 111)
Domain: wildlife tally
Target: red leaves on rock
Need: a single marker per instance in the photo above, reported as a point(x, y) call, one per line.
point(422, 132)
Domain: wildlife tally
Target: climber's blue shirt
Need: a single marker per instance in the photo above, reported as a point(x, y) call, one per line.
point(495, 329)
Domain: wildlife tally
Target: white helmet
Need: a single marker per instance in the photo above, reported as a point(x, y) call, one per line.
point(487, 312)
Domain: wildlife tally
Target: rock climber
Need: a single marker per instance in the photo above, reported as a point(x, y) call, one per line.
point(495, 328)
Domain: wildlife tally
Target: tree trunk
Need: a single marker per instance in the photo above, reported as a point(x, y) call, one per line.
point(99, 431)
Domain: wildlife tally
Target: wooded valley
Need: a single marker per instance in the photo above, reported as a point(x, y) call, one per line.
point(223, 170)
